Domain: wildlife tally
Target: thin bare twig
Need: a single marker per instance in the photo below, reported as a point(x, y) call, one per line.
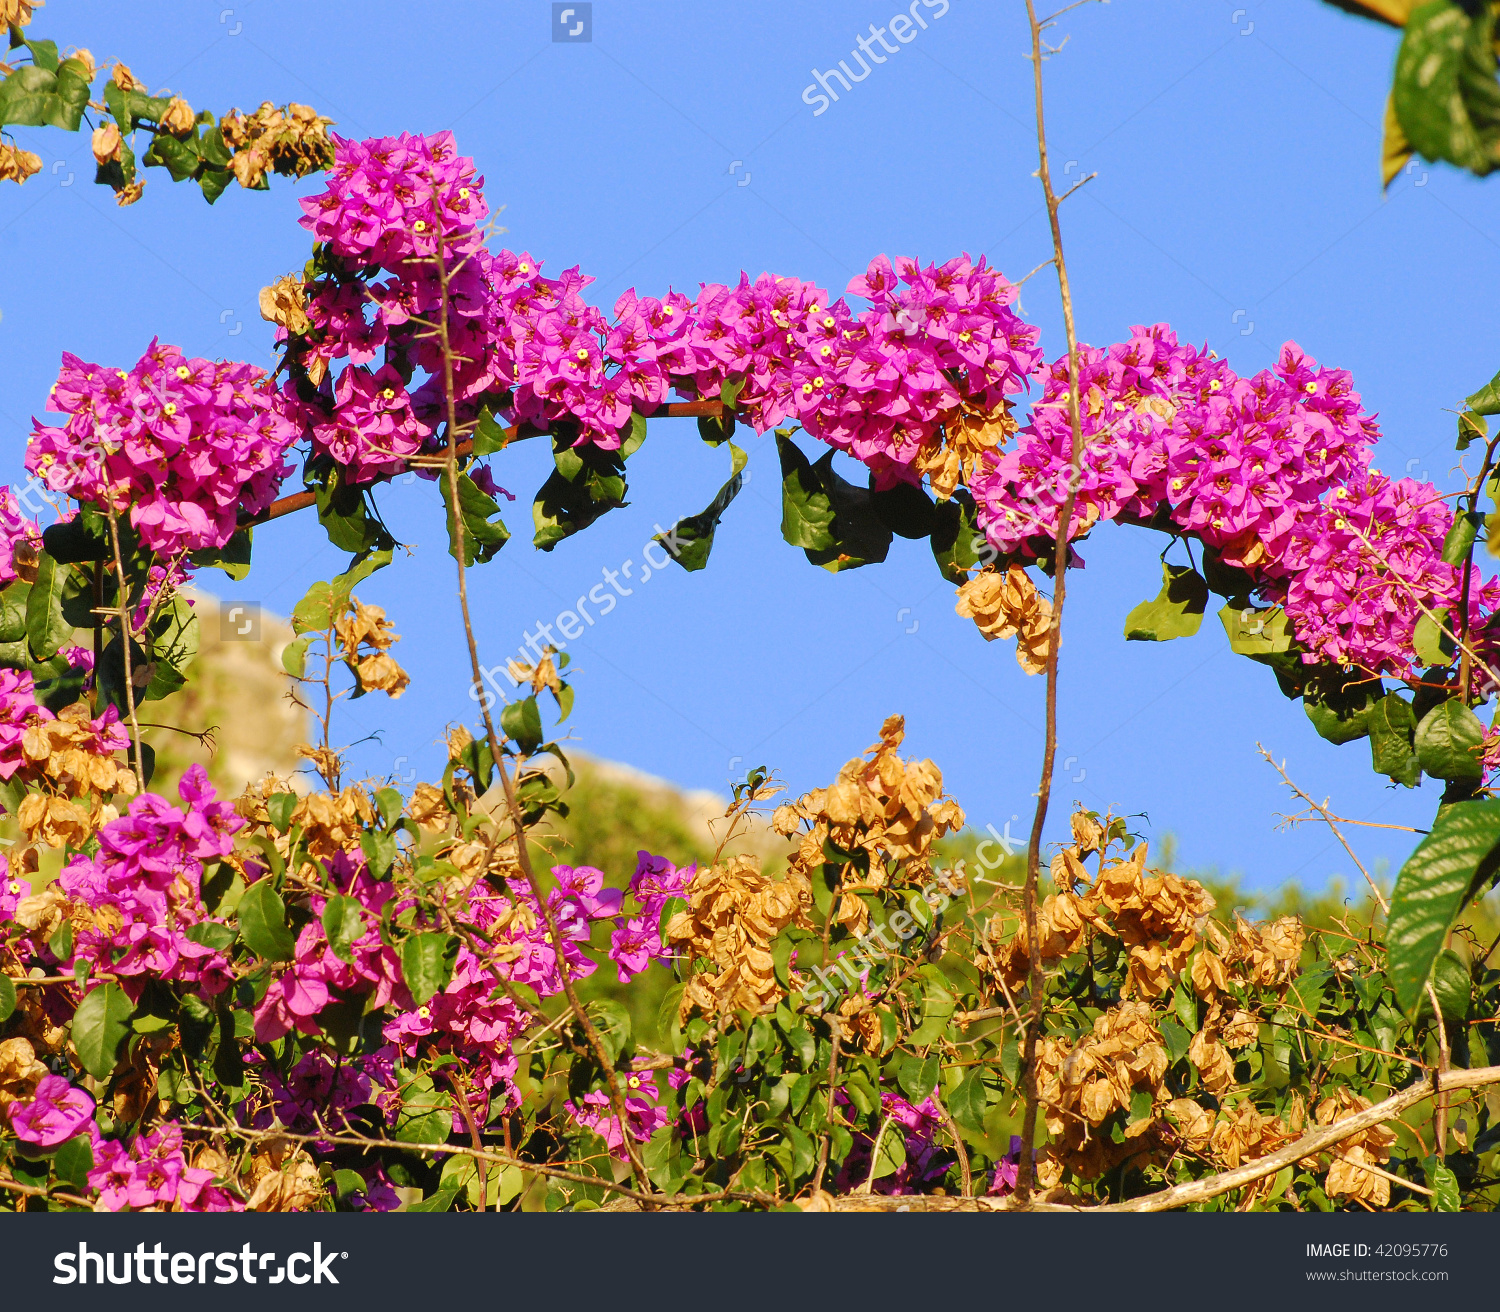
point(1330, 818)
point(493, 739)
point(1060, 570)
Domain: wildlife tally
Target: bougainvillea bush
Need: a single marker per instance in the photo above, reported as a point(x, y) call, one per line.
point(333, 993)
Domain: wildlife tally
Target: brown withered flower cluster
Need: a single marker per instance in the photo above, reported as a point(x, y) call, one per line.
point(17, 13)
point(734, 912)
point(16, 165)
point(366, 627)
point(291, 140)
point(1081, 1085)
point(71, 772)
point(1155, 914)
point(1006, 605)
point(1346, 1172)
point(284, 302)
point(966, 436)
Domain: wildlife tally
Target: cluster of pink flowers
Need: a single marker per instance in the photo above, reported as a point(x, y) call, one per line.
point(152, 1175)
point(19, 709)
point(593, 1111)
point(928, 1152)
point(143, 888)
point(636, 941)
point(14, 528)
point(186, 445)
point(875, 383)
point(54, 1113)
point(1272, 472)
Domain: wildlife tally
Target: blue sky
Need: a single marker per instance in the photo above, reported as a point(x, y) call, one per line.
point(1237, 199)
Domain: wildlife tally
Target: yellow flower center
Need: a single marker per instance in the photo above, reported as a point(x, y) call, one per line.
point(634, 1081)
point(183, 371)
point(818, 381)
point(812, 309)
point(170, 407)
point(524, 268)
point(1338, 523)
point(463, 193)
point(583, 355)
point(828, 322)
point(1311, 388)
point(389, 394)
point(827, 350)
point(420, 225)
point(964, 336)
point(1215, 385)
point(1177, 485)
point(425, 1013)
point(807, 389)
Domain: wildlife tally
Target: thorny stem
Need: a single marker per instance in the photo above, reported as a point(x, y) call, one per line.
point(122, 604)
point(833, 1084)
point(1441, 1101)
point(1060, 570)
point(493, 739)
point(1463, 613)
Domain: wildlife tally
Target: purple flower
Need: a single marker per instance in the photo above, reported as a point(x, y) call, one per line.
point(55, 1113)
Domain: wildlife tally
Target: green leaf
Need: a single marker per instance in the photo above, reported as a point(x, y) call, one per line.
point(587, 483)
point(859, 535)
point(344, 923)
point(426, 1114)
point(174, 644)
point(346, 518)
point(918, 1076)
point(691, 539)
point(482, 538)
point(968, 1102)
point(938, 1005)
point(1486, 401)
point(380, 852)
point(521, 721)
point(233, 557)
point(1473, 427)
point(612, 1022)
point(324, 602)
point(1338, 705)
point(489, 436)
point(1175, 612)
point(1449, 740)
point(806, 511)
point(1461, 852)
point(957, 543)
point(1445, 94)
point(180, 158)
point(1444, 1186)
point(294, 655)
point(279, 808)
point(46, 629)
point(99, 1028)
point(262, 920)
point(214, 183)
point(1254, 632)
point(74, 1160)
point(905, 509)
point(7, 997)
point(1432, 639)
point(1451, 983)
point(427, 963)
point(211, 934)
point(1460, 537)
point(442, 1201)
point(1392, 727)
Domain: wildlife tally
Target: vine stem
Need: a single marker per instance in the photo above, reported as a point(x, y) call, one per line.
point(1441, 1101)
point(617, 1100)
point(1025, 1172)
point(1199, 1191)
point(122, 608)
